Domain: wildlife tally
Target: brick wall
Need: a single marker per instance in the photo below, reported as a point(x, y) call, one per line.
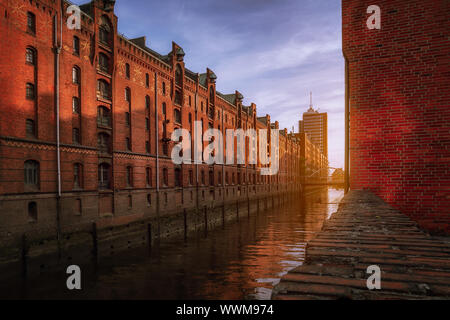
point(119, 202)
point(399, 81)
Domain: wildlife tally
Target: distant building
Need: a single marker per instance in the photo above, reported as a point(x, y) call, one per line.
point(315, 125)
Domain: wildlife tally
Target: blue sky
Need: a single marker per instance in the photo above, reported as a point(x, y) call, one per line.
point(273, 51)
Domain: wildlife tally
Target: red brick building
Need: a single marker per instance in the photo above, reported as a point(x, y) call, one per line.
point(117, 102)
point(398, 83)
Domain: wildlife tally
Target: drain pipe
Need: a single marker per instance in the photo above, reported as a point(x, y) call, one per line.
point(157, 151)
point(347, 126)
point(57, 48)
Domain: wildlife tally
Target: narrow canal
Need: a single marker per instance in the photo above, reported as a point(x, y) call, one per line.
point(243, 260)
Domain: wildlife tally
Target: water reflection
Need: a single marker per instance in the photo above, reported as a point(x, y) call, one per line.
point(242, 261)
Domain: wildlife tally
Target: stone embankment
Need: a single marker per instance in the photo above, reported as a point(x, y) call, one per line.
point(364, 232)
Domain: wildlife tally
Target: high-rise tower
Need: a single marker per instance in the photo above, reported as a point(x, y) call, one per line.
point(315, 125)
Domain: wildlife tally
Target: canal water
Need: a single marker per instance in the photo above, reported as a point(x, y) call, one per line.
point(243, 260)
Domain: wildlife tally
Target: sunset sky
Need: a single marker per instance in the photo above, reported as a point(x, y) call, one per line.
point(273, 51)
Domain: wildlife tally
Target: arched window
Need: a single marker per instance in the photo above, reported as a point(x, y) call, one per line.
point(103, 89)
point(77, 176)
point(76, 75)
point(164, 109)
point(103, 62)
point(30, 93)
point(76, 105)
point(165, 177)
point(30, 56)
point(148, 176)
point(128, 95)
point(147, 80)
point(103, 176)
point(103, 142)
point(127, 71)
point(31, 173)
point(30, 128)
point(177, 115)
point(76, 136)
point(211, 95)
point(164, 88)
point(32, 212)
point(103, 117)
point(178, 76)
point(203, 177)
point(31, 22)
point(191, 177)
point(147, 103)
point(76, 46)
point(129, 176)
point(104, 30)
point(177, 177)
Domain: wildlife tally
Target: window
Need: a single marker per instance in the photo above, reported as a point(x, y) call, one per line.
point(103, 62)
point(30, 91)
point(177, 116)
point(202, 106)
point(76, 75)
point(76, 136)
point(147, 146)
point(127, 119)
point(178, 76)
point(164, 109)
point(148, 176)
point(147, 103)
point(76, 105)
point(76, 46)
point(32, 212)
point(104, 30)
point(77, 176)
point(129, 176)
point(164, 88)
point(165, 177)
point(127, 94)
point(147, 80)
point(211, 95)
point(190, 101)
point(31, 22)
point(178, 98)
point(103, 117)
point(103, 142)
point(211, 178)
point(31, 173)
point(177, 177)
point(128, 144)
point(103, 90)
point(30, 56)
point(127, 71)
point(103, 176)
point(147, 124)
point(30, 128)
point(190, 118)
point(191, 177)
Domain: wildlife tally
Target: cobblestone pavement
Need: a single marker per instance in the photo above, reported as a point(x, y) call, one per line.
point(366, 231)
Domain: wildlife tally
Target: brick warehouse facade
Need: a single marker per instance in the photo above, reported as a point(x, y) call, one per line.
point(399, 102)
point(119, 103)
